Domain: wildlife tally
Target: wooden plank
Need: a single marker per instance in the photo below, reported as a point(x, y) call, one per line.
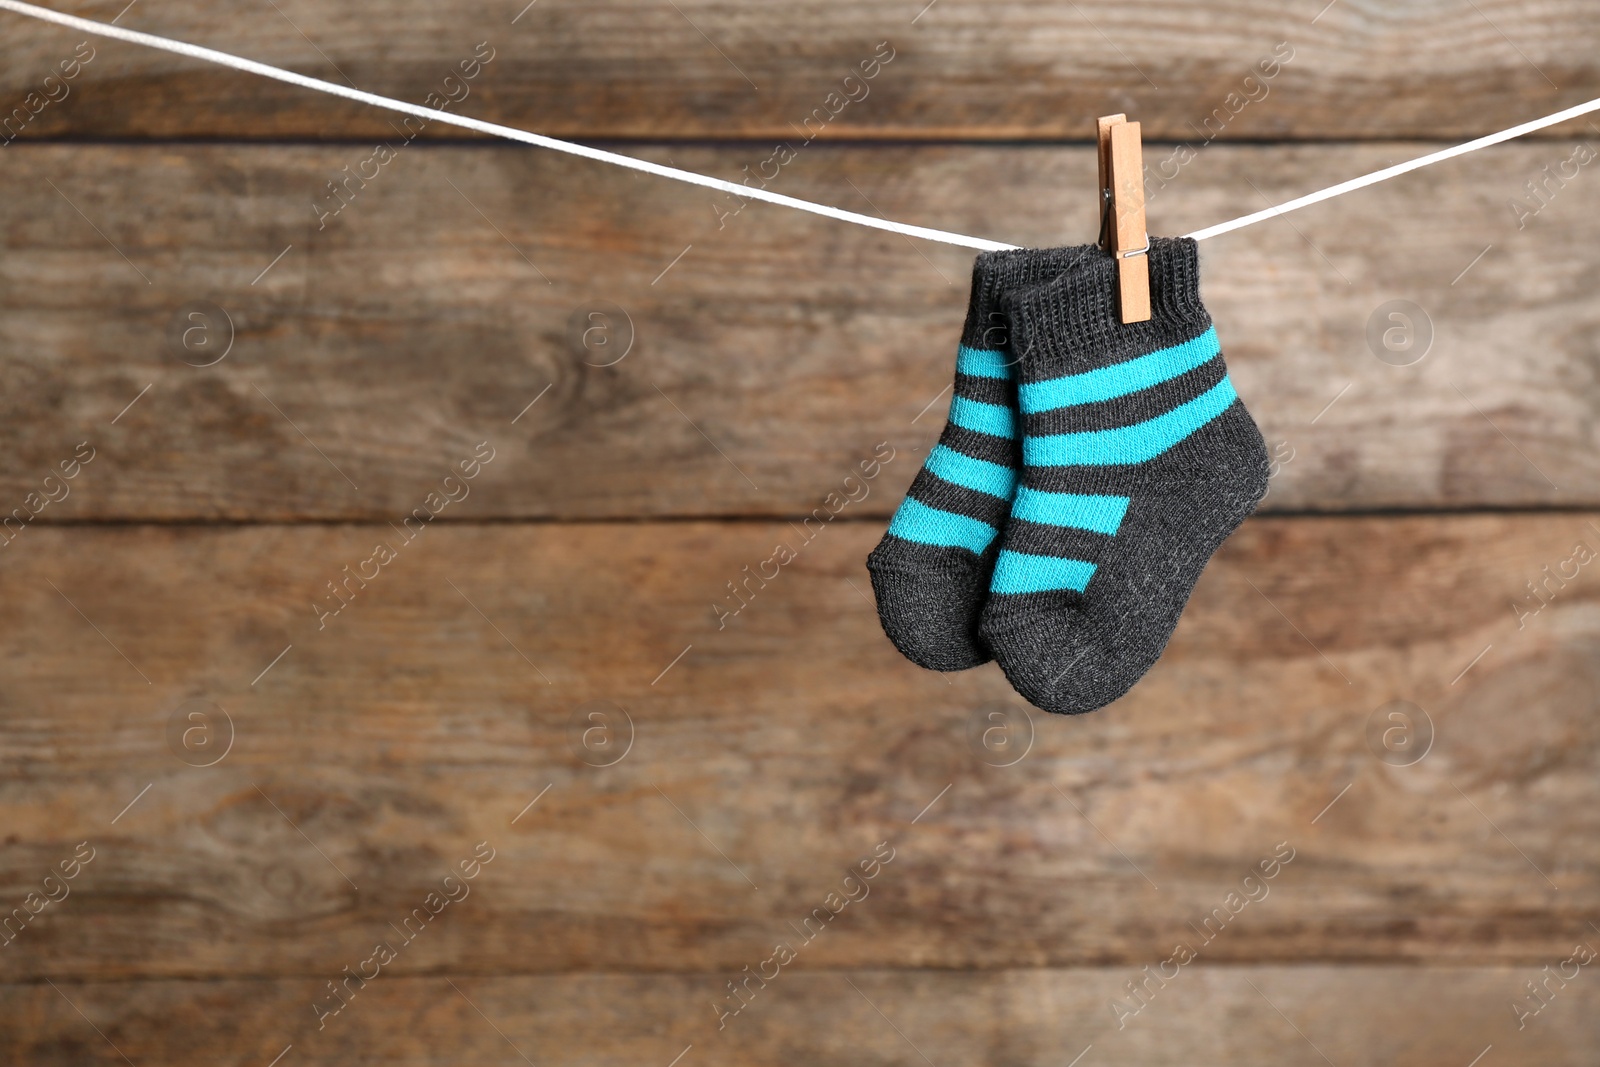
point(1192, 72)
point(1407, 1016)
point(448, 703)
point(772, 349)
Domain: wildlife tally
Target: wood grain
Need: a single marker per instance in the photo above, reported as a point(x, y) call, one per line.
point(272, 775)
point(771, 354)
point(771, 754)
point(1409, 1017)
point(710, 69)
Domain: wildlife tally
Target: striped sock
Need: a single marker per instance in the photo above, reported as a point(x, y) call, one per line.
point(1138, 461)
point(931, 570)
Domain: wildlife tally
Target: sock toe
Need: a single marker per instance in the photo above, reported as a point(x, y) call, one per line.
point(1046, 656)
point(1069, 654)
point(931, 613)
point(1066, 677)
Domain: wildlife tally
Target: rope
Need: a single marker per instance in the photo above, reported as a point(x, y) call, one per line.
point(1398, 169)
point(250, 66)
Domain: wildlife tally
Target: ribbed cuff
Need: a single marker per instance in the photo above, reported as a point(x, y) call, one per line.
point(995, 276)
point(1071, 320)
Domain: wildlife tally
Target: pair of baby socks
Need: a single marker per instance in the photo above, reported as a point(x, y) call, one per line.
point(1088, 471)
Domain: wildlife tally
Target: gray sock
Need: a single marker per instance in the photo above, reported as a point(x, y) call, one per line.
point(1138, 461)
point(931, 570)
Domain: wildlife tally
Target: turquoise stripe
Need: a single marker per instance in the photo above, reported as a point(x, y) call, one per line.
point(916, 521)
point(1129, 444)
point(980, 475)
point(1019, 572)
point(992, 419)
point(1102, 514)
point(1120, 379)
point(982, 363)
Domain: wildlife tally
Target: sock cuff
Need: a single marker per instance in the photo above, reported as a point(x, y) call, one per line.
point(997, 274)
point(1072, 316)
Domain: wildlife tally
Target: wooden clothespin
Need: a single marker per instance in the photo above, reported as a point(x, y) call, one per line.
point(1122, 226)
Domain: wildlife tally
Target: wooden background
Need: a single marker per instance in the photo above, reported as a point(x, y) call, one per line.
point(339, 768)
